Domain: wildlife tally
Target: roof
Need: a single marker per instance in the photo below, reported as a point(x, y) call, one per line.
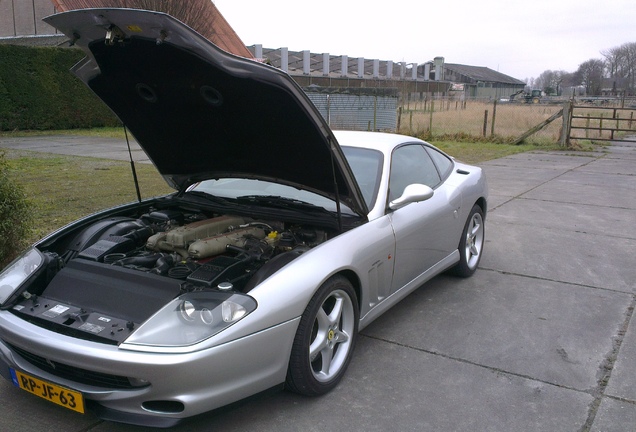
point(201, 15)
point(481, 73)
point(400, 70)
point(316, 63)
point(381, 141)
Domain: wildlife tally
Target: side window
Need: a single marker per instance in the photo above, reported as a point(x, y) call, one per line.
point(367, 168)
point(443, 162)
point(411, 164)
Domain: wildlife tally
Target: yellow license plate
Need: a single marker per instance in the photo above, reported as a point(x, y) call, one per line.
point(51, 392)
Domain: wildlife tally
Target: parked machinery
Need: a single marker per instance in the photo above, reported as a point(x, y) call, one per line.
point(534, 96)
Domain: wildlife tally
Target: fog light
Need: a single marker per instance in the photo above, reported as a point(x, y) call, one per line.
point(138, 382)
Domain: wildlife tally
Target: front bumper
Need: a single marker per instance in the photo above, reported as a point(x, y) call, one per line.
point(171, 387)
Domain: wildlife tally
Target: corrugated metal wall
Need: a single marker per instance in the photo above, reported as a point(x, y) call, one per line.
point(357, 111)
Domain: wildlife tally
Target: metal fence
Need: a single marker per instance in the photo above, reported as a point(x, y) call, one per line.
point(357, 109)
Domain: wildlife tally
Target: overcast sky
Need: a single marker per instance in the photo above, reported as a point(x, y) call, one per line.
point(518, 38)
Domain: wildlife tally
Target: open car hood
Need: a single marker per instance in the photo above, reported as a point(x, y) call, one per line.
point(199, 112)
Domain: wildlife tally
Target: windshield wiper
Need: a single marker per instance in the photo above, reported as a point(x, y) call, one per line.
point(277, 202)
point(208, 197)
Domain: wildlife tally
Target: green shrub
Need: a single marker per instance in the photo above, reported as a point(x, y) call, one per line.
point(37, 91)
point(15, 216)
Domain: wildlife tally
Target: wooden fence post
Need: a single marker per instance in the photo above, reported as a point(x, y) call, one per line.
point(375, 113)
point(567, 124)
point(494, 115)
point(541, 126)
point(485, 122)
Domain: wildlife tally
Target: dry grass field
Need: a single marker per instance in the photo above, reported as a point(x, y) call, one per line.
point(443, 119)
point(510, 120)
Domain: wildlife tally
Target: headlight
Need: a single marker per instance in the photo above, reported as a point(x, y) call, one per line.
point(19, 271)
point(192, 318)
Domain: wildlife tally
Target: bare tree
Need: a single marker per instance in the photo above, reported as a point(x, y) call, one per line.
point(551, 82)
point(613, 60)
point(590, 74)
point(621, 66)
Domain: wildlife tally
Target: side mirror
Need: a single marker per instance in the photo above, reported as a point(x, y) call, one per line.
point(412, 193)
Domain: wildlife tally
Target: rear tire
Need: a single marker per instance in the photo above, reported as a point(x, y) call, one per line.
point(471, 244)
point(325, 339)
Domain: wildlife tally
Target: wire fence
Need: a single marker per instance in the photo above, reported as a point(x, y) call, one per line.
point(440, 118)
point(479, 119)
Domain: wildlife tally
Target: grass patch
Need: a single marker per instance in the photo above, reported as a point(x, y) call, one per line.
point(475, 152)
point(64, 188)
point(104, 132)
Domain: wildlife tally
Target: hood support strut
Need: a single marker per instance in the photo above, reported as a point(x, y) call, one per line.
point(132, 165)
point(335, 186)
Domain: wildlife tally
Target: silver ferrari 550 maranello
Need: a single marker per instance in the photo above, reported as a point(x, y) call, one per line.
point(281, 241)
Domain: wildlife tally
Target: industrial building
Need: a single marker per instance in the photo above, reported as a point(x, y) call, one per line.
point(21, 23)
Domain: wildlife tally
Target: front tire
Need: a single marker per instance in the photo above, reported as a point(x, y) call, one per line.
point(471, 244)
point(325, 339)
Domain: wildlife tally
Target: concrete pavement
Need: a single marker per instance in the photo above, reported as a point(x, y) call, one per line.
point(542, 338)
point(107, 148)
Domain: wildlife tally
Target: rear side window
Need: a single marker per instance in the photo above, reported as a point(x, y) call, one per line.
point(444, 163)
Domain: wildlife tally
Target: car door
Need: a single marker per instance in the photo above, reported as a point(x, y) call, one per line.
point(424, 231)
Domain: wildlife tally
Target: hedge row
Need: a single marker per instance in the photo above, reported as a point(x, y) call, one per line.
point(16, 216)
point(37, 91)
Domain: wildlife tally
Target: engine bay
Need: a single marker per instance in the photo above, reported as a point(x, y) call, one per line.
point(201, 251)
point(112, 275)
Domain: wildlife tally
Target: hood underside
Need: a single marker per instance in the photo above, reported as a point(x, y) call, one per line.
point(199, 112)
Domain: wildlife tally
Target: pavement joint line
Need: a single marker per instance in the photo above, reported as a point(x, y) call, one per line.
point(576, 203)
point(92, 426)
point(610, 174)
point(501, 162)
point(502, 204)
point(620, 399)
point(472, 363)
point(567, 171)
point(575, 231)
point(520, 196)
point(607, 366)
point(576, 284)
point(605, 235)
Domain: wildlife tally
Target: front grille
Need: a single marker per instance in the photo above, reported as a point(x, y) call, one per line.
point(72, 373)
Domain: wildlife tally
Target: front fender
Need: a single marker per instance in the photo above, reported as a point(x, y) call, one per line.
point(367, 251)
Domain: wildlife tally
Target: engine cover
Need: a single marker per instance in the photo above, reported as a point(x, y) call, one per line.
point(99, 299)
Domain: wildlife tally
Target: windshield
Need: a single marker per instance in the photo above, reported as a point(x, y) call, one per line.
point(247, 190)
point(366, 165)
